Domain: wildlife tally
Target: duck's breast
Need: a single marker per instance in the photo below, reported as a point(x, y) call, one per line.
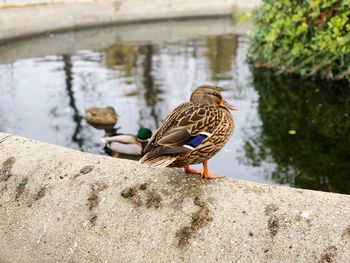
point(132, 149)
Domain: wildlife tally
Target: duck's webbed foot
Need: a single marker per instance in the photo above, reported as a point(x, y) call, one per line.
point(211, 176)
point(189, 170)
point(206, 175)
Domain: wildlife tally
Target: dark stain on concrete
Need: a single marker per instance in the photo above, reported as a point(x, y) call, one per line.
point(128, 192)
point(5, 138)
point(328, 255)
point(20, 188)
point(63, 176)
point(143, 186)
point(131, 194)
point(140, 195)
point(38, 195)
point(153, 199)
point(5, 171)
point(185, 187)
point(99, 186)
point(93, 201)
point(199, 219)
point(273, 225)
point(346, 232)
point(86, 169)
point(93, 219)
point(74, 176)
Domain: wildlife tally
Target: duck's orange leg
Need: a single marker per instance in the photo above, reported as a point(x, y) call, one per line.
point(206, 174)
point(115, 154)
point(188, 170)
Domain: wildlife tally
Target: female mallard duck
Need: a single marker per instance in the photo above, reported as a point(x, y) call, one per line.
point(128, 143)
point(192, 133)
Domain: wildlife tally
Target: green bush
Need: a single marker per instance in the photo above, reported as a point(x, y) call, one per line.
point(306, 37)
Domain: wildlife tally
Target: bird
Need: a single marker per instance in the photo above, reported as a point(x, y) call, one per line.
point(192, 133)
point(101, 117)
point(128, 144)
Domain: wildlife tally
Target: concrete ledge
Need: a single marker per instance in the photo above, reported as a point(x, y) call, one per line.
point(99, 38)
point(42, 18)
point(61, 205)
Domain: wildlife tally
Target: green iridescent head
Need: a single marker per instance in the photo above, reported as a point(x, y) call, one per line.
point(144, 134)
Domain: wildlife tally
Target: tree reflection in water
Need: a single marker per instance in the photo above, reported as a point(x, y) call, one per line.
point(76, 137)
point(136, 67)
point(151, 94)
point(317, 156)
point(221, 51)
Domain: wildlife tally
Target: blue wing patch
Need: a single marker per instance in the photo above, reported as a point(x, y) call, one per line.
point(194, 142)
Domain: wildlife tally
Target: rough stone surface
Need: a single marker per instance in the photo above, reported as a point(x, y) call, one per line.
point(21, 21)
point(120, 211)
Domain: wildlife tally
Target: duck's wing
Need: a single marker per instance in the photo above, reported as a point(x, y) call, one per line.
point(184, 130)
point(165, 126)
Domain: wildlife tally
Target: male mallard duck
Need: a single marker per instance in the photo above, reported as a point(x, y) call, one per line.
point(128, 143)
point(192, 133)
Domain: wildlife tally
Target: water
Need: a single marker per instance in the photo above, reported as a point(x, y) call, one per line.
point(144, 71)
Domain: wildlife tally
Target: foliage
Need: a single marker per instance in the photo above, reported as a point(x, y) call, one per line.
point(316, 155)
point(242, 18)
point(307, 37)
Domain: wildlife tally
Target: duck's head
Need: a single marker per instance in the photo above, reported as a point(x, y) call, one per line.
point(144, 134)
point(207, 94)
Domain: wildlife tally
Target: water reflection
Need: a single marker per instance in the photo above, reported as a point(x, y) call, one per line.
point(143, 79)
point(317, 155)
point(151, 90)
point(221, 51)
point(77, 118)
point(122, 57)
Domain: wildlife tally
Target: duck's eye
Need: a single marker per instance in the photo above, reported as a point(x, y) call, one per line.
point(215, 94)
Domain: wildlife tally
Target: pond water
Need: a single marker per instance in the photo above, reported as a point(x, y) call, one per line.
point(288, 131)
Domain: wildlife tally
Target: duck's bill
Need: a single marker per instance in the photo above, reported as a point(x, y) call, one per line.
point(228, 106)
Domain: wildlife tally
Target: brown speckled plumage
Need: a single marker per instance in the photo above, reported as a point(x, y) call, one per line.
point(201, 114)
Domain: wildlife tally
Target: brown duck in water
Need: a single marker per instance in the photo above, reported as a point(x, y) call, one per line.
point(192, 133)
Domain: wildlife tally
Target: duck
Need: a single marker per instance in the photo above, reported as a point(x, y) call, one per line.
point(101, 117)
point(128, 144)
point(192, 133)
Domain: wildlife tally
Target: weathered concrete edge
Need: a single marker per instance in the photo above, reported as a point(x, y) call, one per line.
point(100, 38)
point(58, 204)
point(16, 23)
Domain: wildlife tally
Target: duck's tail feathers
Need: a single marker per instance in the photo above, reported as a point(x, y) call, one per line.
point(159, 161)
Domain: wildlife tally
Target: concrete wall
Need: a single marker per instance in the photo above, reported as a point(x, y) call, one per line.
point(61, 205)
point(98, 38)
point(27, 20)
